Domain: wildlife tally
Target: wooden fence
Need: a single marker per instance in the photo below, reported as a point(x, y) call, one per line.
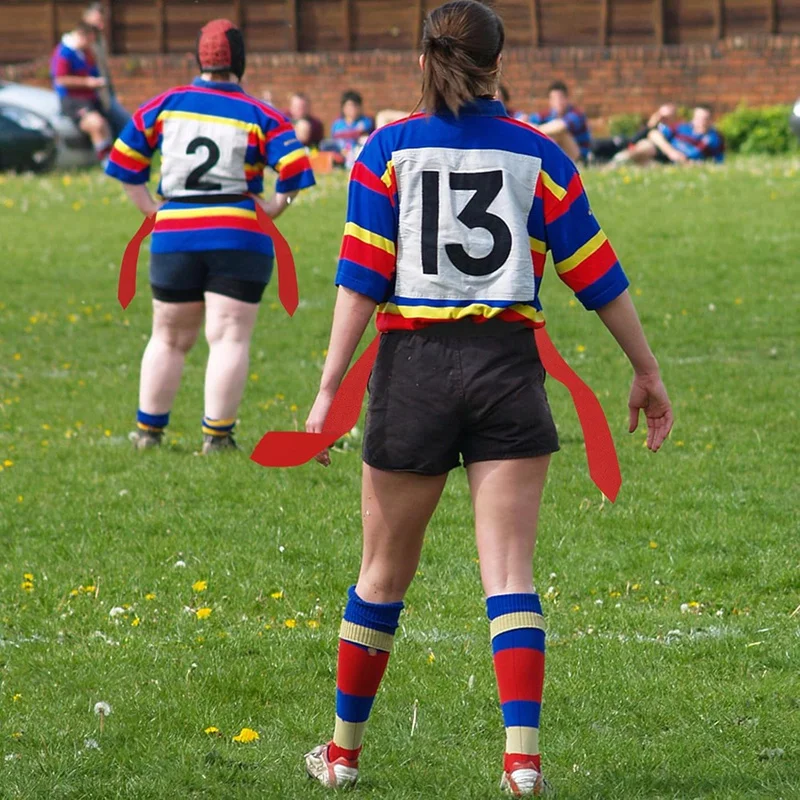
point(29, 28)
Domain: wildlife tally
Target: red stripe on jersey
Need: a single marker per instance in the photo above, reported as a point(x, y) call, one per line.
point(520, 124)
point(538, 263)
point(369, 256)
point(126, 162)
point(555, 208)
point(520, 674)
point(295, 168)
point(364, 176)
point(253, 140)
point(385, 321)
point(205, 223)
point(359, 670)
point(286, 127)
point(591, 268)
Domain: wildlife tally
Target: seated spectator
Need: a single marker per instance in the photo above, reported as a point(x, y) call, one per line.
point(564, 123)
point(266, 96)
point(352, 128)
point(304, 130)
point(300, 110)
point(117, 116)
point(76, 79)
point(604, 149)
point(677, 142)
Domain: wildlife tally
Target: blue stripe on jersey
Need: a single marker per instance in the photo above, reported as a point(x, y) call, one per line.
point(362, 280)
point(604, 289)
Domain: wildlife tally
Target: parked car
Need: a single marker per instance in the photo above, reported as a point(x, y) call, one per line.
point(27, 141)
point(73, 148)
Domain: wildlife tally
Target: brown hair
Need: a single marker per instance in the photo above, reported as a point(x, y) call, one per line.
point(461, 42)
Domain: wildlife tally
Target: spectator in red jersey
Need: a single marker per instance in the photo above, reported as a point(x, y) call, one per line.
point(312, 131)
point(76, 79)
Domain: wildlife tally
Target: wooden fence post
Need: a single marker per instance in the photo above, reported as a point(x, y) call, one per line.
point(536, 36)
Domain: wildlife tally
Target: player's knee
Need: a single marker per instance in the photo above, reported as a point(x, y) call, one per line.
point(227, 327)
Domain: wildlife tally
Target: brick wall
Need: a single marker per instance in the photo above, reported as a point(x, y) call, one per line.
point(606, 81)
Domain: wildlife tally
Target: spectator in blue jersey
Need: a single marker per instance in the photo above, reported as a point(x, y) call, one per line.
point(564, 123)
point(451, 214)
point(77, 81)
point(353, 127)
point(113, 110)
point(671, 142)
point(210, 261)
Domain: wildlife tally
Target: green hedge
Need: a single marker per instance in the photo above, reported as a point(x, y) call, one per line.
point(758, 130)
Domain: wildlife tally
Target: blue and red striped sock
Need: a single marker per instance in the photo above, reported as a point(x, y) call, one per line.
point(155, 423)
point(517, 631)
point(365, 642)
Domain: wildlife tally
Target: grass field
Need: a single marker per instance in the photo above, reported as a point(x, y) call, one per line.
point(674, 639)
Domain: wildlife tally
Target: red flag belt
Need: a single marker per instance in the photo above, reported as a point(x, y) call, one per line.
point(293, 448)
point(287, 275)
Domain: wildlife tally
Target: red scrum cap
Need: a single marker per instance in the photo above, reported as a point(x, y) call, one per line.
point(220, 48)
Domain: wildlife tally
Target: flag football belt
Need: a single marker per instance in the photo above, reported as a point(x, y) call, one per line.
point(293, 448)
point(287, 275)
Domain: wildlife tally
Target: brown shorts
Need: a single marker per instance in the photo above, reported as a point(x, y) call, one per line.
point(457, 390)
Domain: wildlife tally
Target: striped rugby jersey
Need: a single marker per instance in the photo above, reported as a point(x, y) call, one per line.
point(214, 139)
point(576, 123)
point(695, 146)
point(450, 218)
point(68, 60)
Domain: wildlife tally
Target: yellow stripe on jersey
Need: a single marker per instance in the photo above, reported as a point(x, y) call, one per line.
point(250, 127)
point(514, 621)
point(557, 190)
point(538, 246)
point(368, 237)
point(206, 211)
point(387, 176)
point(290, 158)
point(459, 312)
point(131, 153)
point(582, 253)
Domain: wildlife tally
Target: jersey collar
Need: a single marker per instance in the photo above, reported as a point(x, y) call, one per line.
point(223, 86)
point(479, 107)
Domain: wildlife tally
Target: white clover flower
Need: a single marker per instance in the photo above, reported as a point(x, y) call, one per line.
point(179, 564)
point(91, 744)
point(117, 611)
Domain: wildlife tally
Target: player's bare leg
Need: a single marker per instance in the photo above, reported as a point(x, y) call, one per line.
point(175, 330)
point(95, 126)
point(395, 511)
point(643, 152)
point(229, 328)
point(506, 497)
point(558, 131)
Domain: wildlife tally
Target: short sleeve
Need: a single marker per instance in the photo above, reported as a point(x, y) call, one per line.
point(368, 257)
point(285, 154)
point(583, 256)
point(132, 153)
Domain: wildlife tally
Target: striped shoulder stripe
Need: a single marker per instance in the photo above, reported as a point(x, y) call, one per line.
point(557, 191)
point(582, 253)
point(368, 237)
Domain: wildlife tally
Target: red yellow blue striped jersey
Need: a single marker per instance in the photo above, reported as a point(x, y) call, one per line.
point(451, 217)
point(214, 140)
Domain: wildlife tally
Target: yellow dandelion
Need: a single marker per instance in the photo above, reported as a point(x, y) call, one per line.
point(280, 397)
point(636, 587)
point(246, 736)
point(638, 292)
point(135, 622)
point(28, 576)
point(293, 407)
point(211, 729)
point(20, 498)
point(106, 201)
point(581, 348)
point(77, 205)
point(576, 607)
point(615, 594)
point(572, 302)
point(203, 613)
point(312, 623)
point(653, 545)
point(149, 596)
point(8, 203)
point(16, 735)
point(74, 593)
point(26, 586)
point(431, 657)
point(66, 180)
point(626, 179)
point(290, 623)
point(16, 697)
point(709, 446)
point(679, 443)
point(45, 427)
point(72, 317)
point(253, 376)
point(90, 590)
point(738, 301)
point(200, 586)
point(17, 356)
point(268, 627)
point(107, 433)
point(277, 595)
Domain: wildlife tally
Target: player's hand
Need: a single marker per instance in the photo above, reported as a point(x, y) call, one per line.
point(649, 394)
point(316, 422)
point(97, 83)
point(676, 157)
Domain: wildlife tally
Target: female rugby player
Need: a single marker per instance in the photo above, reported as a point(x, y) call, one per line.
point(209, 256)
point(451, 214)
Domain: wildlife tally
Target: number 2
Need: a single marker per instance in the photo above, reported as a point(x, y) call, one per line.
point(487, 186)
point(193, 182)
